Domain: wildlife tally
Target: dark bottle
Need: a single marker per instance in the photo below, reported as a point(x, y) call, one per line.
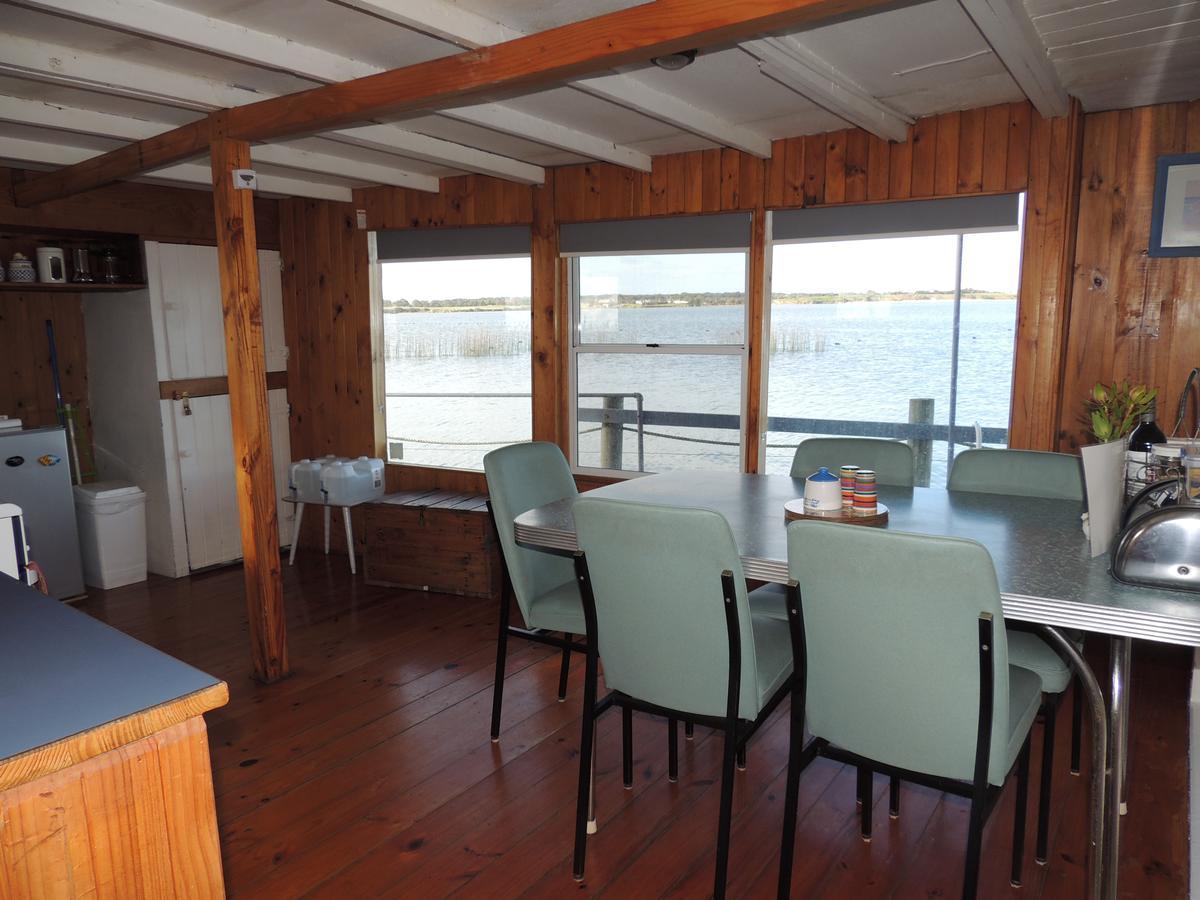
point(1139, 459)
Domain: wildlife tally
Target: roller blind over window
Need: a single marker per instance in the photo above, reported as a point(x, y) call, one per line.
point(950, 215)
point(725, 231)
point(452, 243)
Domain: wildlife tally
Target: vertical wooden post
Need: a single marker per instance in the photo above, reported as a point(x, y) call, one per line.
point(546, 378)
point(254, 476)
point(757, 340)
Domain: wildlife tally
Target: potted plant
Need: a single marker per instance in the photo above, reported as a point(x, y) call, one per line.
point(1113, 409)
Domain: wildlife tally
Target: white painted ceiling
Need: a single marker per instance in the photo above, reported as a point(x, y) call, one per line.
point(117, 57)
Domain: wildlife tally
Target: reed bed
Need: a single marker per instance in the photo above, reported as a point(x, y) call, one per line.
point(459, 343)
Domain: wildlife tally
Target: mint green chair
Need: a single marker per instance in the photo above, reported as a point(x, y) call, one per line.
point(1057, 476)
point(521, 477)
point(906, 672)
point(667, 614)
point(892, 461)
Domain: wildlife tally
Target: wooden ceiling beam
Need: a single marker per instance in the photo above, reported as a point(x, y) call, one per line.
point(526, 64)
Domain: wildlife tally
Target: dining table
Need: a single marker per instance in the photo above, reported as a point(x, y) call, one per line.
point(1046, 574)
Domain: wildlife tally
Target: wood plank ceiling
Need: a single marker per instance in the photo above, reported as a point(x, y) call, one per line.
point(77, 79)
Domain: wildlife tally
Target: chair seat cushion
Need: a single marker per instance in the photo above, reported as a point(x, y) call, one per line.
point(1024, 701)
point(558, 609)
point(769, 600)
point(772, 655)
point(1027, 650)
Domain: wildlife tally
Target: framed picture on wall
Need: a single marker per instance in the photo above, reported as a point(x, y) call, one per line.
point(1175, 224)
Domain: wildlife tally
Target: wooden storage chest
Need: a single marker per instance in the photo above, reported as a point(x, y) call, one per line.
point(431, 540)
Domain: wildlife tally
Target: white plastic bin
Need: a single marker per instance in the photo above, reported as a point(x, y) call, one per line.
point(112, 533)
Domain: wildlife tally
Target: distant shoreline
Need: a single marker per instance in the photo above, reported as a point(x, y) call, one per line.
point(692, 301)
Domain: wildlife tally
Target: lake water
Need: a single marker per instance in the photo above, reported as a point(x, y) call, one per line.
point(847, 361)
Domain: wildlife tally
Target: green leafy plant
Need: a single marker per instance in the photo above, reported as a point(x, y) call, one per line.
point(1113, 409)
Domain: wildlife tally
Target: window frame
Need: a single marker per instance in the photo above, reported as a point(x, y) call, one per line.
point(768, 298)
point(576, 346)
point(377, 278)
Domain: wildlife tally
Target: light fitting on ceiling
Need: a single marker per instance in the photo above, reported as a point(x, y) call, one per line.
point(673, 62)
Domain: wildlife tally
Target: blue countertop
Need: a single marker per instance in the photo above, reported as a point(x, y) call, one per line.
point(63, 672)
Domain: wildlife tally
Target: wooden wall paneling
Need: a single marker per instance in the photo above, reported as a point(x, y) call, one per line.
point(776, 171)
point(814, 169)
point(253, 470)
point(945, 165)
point(900, 167)
point(924, 142)
point(752, 181)
point(793, 182)
point(1092, 323)
point(547, 373)
point(835, 167)
point(857, 145)
point(731, 179)
point(970, 151)
point(27, 385)
point(658, 186)
point(995, 148)
point(756, 340)
point(1017, 174)
point(878, 168)
point(155, 212)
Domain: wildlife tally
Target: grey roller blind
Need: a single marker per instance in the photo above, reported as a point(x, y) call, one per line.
point(452, 243)
point(941, 216)
point(725, 231)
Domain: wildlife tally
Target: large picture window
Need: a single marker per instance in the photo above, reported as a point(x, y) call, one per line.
point(904, 330)
point(658, 344)
point(456, 345)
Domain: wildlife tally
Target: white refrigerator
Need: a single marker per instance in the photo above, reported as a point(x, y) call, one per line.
point(35, 475)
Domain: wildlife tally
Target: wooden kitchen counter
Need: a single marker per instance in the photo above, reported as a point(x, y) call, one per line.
point(105, 779)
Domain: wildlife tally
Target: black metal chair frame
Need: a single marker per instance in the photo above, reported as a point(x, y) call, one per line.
point(983, 796)
point(736, 731)
point(566, 643)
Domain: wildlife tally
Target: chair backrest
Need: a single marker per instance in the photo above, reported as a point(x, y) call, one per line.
point(892, 461)
point(660, 611)
point(521, 477)
point(1023, 473)
point(891, 626)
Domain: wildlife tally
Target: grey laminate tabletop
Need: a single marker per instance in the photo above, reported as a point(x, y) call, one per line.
point(63, 672)
point(1038, 547)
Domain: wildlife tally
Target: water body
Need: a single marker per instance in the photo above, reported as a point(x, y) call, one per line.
point(849, 361)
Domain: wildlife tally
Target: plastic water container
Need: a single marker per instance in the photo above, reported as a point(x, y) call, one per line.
point(347, 483)
point(304, 478)
point(111, 516)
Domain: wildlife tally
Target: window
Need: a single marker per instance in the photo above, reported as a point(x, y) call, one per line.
point(456, 345)
point(909, 322)
point(659, 343)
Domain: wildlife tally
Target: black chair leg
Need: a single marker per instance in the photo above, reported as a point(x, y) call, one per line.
point(974, 845)
point(741, 758)
point(565, 670)
point(501, 656)
point(787, 848)
point(724, 821)
point(672, 750)
point(586, 744)
point(1050, 713)
point(894, 798)
point(689, 730)
point(865, 777)
point(1076, 726)
point(627, 746)
point(1020, 814)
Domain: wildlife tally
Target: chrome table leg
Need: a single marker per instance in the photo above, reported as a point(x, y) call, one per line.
point(1118, 740)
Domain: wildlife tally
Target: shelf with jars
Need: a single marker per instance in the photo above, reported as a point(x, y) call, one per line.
point(70, 262)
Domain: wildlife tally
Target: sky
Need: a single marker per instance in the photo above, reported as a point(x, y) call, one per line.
point(991, 262)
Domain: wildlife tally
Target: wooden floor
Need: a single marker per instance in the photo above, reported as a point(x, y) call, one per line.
point(369, 772)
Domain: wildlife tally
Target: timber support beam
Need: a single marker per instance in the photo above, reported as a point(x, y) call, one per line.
point(241, 308)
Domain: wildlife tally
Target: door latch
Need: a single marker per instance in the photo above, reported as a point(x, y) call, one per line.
point(187, 402)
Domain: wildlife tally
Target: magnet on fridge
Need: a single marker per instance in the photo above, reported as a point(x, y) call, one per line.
point(49, 460)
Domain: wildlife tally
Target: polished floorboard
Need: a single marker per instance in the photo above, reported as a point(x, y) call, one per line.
point(369, 773)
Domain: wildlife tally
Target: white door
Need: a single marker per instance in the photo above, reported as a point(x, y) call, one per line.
point(186, 295)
